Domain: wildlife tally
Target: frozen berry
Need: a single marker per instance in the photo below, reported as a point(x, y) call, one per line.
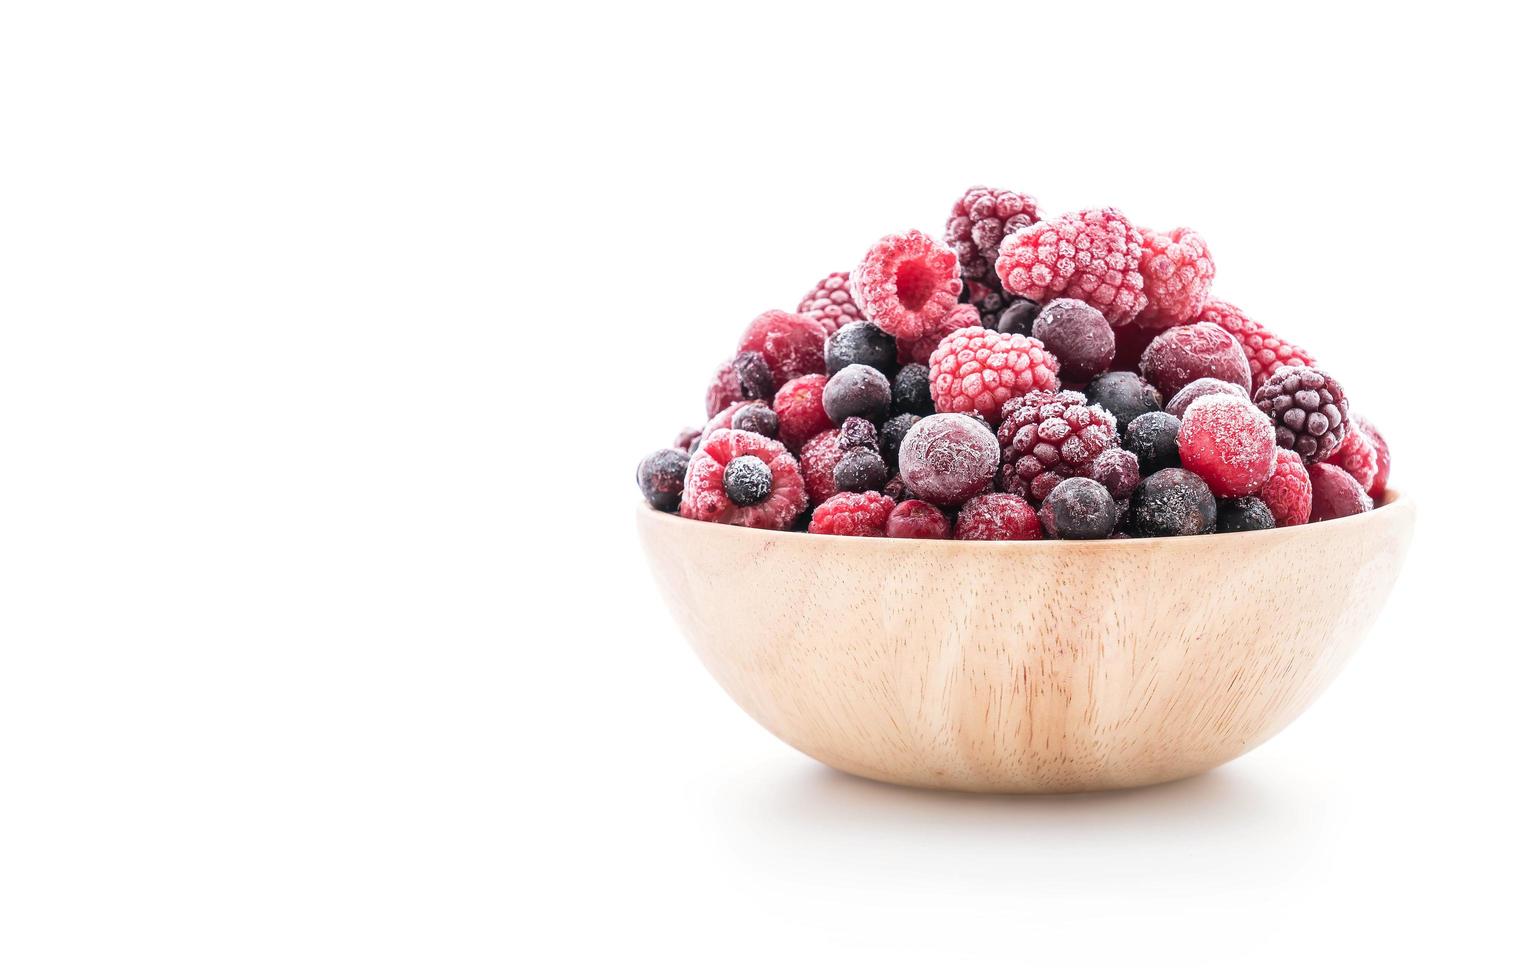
point(1310, 411)
point(1131, 343)
point(1244, 514)
point(818, 460)
point(918, 519)
point(830, 302)
point(857, 390)
point(792, 344)
point(1018, 317)
point(1048, 437)
point(1172, 503)
point(891, 436)
point(857, 431)
point(1124, 394)
point(896, 489)
point(1078, 509)
point(1358, 456)
point(988, 301)
point(980, 219)
point(997, 517)
point(1117, 470)
point(661, 475)
point(1379, 484)
point(705, 496)
point(800, 410)
point(1152, 437)
point(907, 284)
point(744, 378)
point(1229, 443)
point(1178, 270)
point(948, 458)
point(912, 390)
point(1202, 386)
point(687, 439)
point(725, 419)
point(919, 350)
point(861, 515)
point(861, 469)
point(1264, 350)
point(974, 369)
point(1090, 255)
point(1288, 493)
point(756, 417)
point(1078, 335)
point(1336, 494)
point(746, 480)
point(860, 343)
point(1181, 355)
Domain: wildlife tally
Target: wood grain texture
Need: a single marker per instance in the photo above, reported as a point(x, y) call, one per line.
point(1027, 667)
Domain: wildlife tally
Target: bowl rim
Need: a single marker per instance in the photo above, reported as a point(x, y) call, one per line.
point(1394, 504)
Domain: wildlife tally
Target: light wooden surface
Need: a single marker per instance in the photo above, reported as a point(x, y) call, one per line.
point(1027, 667)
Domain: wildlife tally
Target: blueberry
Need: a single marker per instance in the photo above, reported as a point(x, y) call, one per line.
point(1124, 394)
point(912, 390)
point(857, 389)
point(1244, 514)
point(758, 419)
point(1017, 318)
point(891, 436)
point(860, 343)
point(747, 480)
point(1173, 502)
point(860, 470)
point(1079, 509)
point(660, 477)
point(1152, 438)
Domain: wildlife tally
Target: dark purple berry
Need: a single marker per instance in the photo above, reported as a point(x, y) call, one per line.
point(912, 390)
point(1244, 514)
point(1078, 335)
point(1309, 409)
point(1117, 470)
point(1078, 509)
point(661, 475)
point(857, 431)
point(1124, 394)
point(1018, 318)
point(860, 343)
point(857, 390)
point(891, 437)
point(860, 470)
point(747, 480)
point(1194, 390)
point(1152, 438)
point(758, 419)
point(755, 380)
point(1172, 503)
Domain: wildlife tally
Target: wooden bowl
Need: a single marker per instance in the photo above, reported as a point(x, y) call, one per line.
point(1027, 666)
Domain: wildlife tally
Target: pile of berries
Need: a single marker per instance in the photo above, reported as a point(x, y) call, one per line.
point(1028, 376)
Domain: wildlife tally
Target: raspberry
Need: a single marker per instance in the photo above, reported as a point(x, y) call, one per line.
point(830, 302)
point(725, 418)
point(1336, 494)
point(1229, 443)
point(1310, 411)
point(818, 460)
point(974, 369)
point(1047, 438)
point(919, 350)
point(661, 476)
point(704, 497)
point(792, 344)
point(1078, 335)
point(800, 410)
point(998, 517)
point(1264, 350)
point(1177, 273)
point(1183, 354)
point(745, 378)
point(980, 219)
point(1358, 456)
point(1194, 390)
point(1079, 509)
point(1288, 492)
point(947, 459)
point(918, 519)
point(1090, 255)
point(907, 284)
point(1379, 484)
point(1172, 503)
point(862, 515)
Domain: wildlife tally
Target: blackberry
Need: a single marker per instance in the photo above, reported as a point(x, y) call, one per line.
point(857, 431)
point(1078, 335)
point(1124, 394)
point(858, 389)
point(990, 301)
point(661, 475)
point(756, 418)
point(1018, 318)
point(1172, 503)
point(755, 380)
point(891, 437)
point(1117, 470)
point(1244, 514)
point(860, 470)
point(747, 480)
point(1079, 509)
point(860, 343)
point(912, 390)
point(1152, 438)
point(1309, 409)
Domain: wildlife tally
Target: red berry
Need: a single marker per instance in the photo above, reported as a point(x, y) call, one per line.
point(998, 517)
point(974, 369)
point(1336, 494)
point(830, 302)
point(1309, 408)
point(1228, 442)
point(1358, 456)
point(919, 350)
point(862, 515)
point(1379, 484)
point(980, 219)
point(907, 284)
point(918, 519)
point(818, 460)
point(1091, 255)
point(1288, 493)
point(1178, 270)
point(1194, 390)
point(1264, 350)
point(800, 410)
point(1183, 354)
point(947, 459)
point(704, 497)
point(792, 344)
point(1047, 438)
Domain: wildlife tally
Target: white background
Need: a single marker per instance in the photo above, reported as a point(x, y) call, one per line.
point(331, 336)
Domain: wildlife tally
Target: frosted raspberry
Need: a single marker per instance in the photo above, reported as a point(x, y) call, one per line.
point(1183, 354)
point(792, 344)
point(918, 519)
point(1264, 350)
point(1379, 484)
point(800, 410)
point(1090, 255)
point(998, 517)
point(1178, 271)
point(1309, 408)
point(830, 302)
point(818, 460)
point(907, 284)
point(1228, 442)
point(1358, 456)
point(919, 350)
point(947, 459)
point(974, 369)
point(1047, 438)
point(980, 219)
point(862, 515)
point(1288, 492)
point(704, 497)
point(1336, 494)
